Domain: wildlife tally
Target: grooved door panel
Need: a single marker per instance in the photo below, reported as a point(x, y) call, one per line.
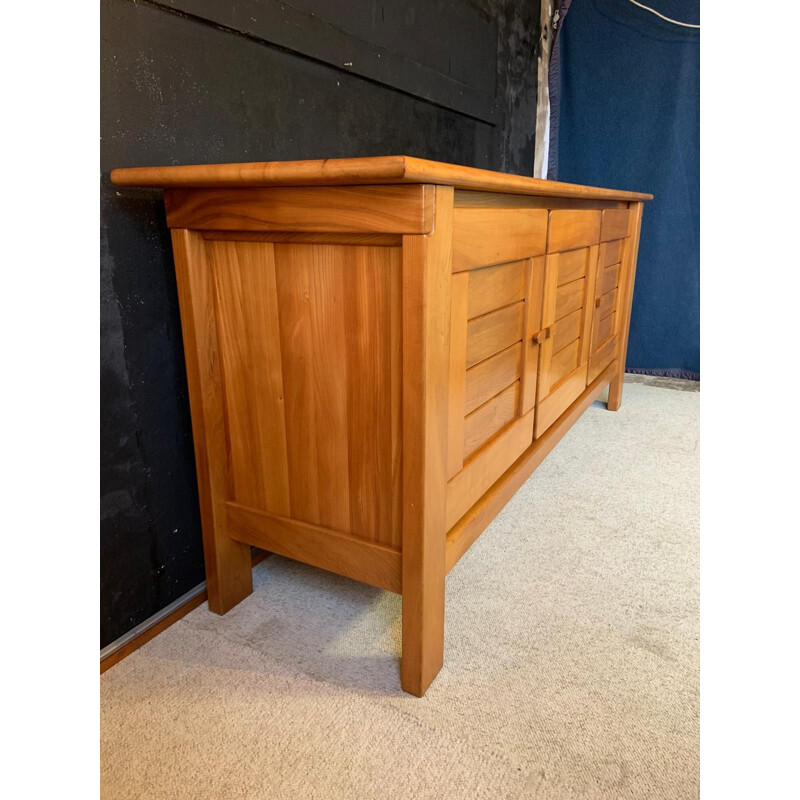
point(567, 330)
point(491, 376)
point(489, 418)
point(567, 317)
point(610, 267)
point(563, 362)
point(491, 288)
point(570, 297)
point(607, 280)
point(602, 330)
point(572, 265)
point(493, 332)
point(610, 253)
point(496, 314)
point(607, 304)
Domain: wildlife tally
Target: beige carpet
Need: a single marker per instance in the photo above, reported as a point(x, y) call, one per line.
point(571, 664)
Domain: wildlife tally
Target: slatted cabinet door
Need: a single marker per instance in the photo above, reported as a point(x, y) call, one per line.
point(495, 318)
point(611, 262)
point(570, 274)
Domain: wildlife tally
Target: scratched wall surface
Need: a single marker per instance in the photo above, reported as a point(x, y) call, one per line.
point(198, 81)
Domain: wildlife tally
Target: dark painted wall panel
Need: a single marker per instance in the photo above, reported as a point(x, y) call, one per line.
point(450, 36)
point(176, 89)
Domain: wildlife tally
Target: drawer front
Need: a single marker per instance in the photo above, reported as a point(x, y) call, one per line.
point(485, 236)
point(573, 228)
point(615, 224)
point(493, 332)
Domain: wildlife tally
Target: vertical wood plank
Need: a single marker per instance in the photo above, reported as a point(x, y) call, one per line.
point(426, 350)
point(534, 298)
point(372, 325)
point(311, 305)
point(396, 418)
point(548, 320)
point(252, 379)
point(341, 339)
point(588, 304)
point(625, 304)
point(228, 570)
point(458, 372)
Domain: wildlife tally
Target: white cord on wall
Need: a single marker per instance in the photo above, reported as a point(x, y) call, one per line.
point(666, 19)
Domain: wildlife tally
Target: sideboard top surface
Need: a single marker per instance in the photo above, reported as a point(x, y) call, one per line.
point(357, 172)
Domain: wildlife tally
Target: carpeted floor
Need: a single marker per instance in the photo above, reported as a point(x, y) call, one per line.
point(571, 654)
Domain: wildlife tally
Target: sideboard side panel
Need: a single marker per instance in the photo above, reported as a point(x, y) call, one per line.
point(340, 330)
point(228, 571)
point(309, 337)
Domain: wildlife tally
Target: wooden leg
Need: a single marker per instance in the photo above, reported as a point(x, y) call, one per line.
point(229, 572)
point(629, 271)
point(423, 627)
point(427, 280)
point(615, 390)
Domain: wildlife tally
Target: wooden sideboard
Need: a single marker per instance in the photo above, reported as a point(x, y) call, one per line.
point(379, 353)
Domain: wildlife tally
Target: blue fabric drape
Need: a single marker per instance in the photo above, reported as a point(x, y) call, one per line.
point(629, 118)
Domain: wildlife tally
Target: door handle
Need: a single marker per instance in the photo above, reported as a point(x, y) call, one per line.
point(542, 335)
point(597, 302)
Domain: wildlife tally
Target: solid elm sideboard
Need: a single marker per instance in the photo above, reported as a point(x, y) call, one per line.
point(379, 352)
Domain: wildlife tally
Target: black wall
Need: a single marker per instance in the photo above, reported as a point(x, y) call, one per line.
point(196, 81)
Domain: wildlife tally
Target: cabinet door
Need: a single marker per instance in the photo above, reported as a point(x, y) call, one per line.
point(611, 261)
point(495, 318)
point(605, 318)
point(569, 289)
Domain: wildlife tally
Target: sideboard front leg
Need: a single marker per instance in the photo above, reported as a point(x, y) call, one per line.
point(423, 621)
point(427, 279)
point(228, 569)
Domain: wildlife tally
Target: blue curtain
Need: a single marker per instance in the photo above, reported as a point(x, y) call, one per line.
point(628, 117)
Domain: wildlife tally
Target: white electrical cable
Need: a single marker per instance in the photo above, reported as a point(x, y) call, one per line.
point(666, 19)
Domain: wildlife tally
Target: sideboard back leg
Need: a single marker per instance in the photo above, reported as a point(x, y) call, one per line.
point(426, 355)
point(228, 568)
point(631, 254)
